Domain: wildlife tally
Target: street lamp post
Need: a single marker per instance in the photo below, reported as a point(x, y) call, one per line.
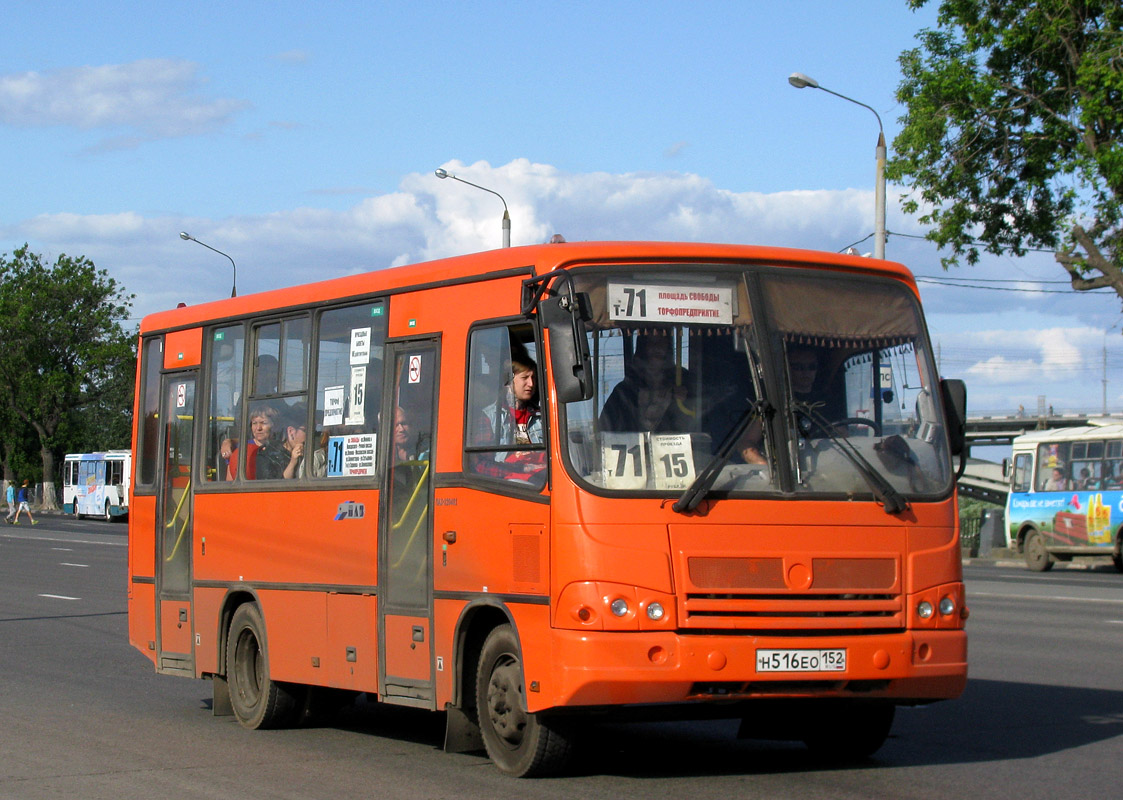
point(801, 81)
point(187, 237)
point(443, 173)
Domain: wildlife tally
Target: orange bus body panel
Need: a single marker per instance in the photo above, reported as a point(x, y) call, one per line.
point(536, 561)
point(183, 349)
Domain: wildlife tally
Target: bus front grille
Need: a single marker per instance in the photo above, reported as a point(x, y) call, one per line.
point(793, 611)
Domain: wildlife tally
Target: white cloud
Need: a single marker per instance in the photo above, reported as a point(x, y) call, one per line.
point(151, 99)
point(430, 218)
point(1007, 346)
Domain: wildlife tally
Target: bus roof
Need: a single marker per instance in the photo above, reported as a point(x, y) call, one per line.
point(1113, 430)
point(108, 454)
point(536, 259)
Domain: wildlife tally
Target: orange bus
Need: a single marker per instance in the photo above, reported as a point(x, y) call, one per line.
point(530, 486)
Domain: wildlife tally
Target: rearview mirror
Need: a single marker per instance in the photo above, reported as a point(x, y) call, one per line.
point(564, 317)
point(954, 394)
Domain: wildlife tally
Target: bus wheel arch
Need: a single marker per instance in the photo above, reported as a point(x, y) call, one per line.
point(477, 621)
point(257, 700)
point(520, 743)
point(1117, 551)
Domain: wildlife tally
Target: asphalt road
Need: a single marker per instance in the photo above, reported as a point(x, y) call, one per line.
point(84, 716)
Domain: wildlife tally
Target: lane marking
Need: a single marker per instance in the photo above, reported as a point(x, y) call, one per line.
point(67, 564)
point(59, 597)
point(31, 537)
point(1055, 597)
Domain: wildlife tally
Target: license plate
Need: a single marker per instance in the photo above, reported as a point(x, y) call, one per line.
point(833, 660)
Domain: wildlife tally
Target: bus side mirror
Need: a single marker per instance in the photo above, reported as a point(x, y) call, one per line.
point(954, 394)
point(564, 317)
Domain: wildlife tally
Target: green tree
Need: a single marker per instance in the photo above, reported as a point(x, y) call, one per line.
point(1013, 136)
point(62, 348)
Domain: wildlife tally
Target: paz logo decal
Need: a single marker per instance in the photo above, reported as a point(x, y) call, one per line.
point(350, 510)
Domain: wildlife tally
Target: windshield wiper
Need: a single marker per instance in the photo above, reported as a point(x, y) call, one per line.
point(702, 484)
point(891, 500)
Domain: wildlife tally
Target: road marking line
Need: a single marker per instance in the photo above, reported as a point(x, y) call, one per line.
point(64, 549)
point(59, 597)
point(67, 564)
point(1058, 598)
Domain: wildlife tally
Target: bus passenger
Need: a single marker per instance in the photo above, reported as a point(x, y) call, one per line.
point(407, 442)
point(650, 398)
point(517, 419)
point(1057, 482)
point(292, 452)
point(261, 431)
point(266, 370)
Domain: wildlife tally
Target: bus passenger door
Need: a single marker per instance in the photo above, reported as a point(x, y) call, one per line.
point(174, 526)
point(405, 544)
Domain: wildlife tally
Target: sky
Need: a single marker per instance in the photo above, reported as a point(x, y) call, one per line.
point(301, 140)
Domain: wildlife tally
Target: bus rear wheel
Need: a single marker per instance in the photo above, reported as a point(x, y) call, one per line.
point(108, 517)
point(1037, 557)
point(521, 744)
point(258, 700)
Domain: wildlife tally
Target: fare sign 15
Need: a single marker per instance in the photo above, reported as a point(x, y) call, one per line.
point(642, 302)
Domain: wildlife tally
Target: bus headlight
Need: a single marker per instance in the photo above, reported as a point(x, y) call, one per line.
point(924, 610)
point(947, 606)
point(604, 606)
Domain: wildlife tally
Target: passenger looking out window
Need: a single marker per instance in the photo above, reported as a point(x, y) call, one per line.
point(509, 424)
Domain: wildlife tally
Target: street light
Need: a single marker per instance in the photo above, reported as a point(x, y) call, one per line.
point(187, 237)
point(801, 81)
point(443, 173)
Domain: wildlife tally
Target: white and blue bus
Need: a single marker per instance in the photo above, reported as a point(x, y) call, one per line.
point(97, 484)
point(1066, 495)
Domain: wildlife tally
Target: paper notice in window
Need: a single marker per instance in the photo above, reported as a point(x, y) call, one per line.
point(334, 399)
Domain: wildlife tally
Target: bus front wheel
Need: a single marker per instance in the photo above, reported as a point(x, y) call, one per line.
point(520, 743)
point(1037, 557)
point(258, 700)
point(849, 731)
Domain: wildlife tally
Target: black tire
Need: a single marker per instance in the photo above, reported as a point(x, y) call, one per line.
point(259, 701)
point(108, 516)
point(849, 731)
point(1037, 557)
point(521, 744)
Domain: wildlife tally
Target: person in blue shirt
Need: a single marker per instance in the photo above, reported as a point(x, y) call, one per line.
point(23, 506)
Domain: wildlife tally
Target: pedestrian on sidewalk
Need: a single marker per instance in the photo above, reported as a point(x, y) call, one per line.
point(10, 496)
point(23, 506)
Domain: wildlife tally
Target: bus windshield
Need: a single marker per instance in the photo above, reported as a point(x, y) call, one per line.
point(794, 381)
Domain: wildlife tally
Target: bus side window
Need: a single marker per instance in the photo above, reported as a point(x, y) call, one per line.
point(348, 392)
point(1023, 463)
point(276, 431)
point(504, 432)
point(224, 398)
point(148, 426)
point(1052, 467)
